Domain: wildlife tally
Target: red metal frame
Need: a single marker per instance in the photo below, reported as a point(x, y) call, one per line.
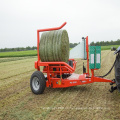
point(87, 50)
point(55, 70)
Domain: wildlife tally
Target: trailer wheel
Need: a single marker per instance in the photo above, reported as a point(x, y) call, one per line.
point(37, 82)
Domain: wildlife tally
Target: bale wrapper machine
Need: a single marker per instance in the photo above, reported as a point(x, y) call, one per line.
point(61, 74)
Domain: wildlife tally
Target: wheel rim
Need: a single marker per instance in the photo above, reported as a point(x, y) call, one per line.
point(35, 83)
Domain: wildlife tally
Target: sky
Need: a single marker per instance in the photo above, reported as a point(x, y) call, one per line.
point(20, 19)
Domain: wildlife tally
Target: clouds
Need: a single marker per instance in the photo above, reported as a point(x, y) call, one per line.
point(20, 19)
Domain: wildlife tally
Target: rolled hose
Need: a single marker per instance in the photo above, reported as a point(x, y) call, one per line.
point(54, 46)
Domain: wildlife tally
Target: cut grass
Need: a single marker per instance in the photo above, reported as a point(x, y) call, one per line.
point(8, 59)
point(17, 102)
point(54, 46)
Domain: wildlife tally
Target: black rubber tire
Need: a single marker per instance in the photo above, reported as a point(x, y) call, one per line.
point(42, 82)
point(117, 71)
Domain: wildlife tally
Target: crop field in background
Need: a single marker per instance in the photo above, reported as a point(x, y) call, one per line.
point(85, 102)
point(18, 53)
point(109, 47)
point(34, 52)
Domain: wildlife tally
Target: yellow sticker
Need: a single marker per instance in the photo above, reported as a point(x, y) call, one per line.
point(59, 82)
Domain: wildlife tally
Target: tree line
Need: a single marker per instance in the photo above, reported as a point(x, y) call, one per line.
point(18, 49)
point(105, 43)
point(28, 48)
point(72, 45)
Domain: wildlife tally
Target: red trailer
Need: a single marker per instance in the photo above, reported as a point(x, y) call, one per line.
point(60, 74)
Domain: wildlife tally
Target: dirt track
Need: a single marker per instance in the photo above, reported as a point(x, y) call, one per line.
point(86, 102)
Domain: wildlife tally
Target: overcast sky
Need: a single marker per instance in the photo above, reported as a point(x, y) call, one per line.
point(20, 19)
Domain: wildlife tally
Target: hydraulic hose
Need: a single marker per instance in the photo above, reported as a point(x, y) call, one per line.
point(109, 70)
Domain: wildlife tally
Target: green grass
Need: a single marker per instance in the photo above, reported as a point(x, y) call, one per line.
point(34, 52)
point(109, 47)
point(18, 53)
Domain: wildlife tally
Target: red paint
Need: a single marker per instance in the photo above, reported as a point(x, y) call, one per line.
point(54, 78)
point(87, 50)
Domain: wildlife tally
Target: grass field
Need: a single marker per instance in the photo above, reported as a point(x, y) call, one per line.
point(85, 102)
point(18, 53)
point(34, 52)
point(109, 47)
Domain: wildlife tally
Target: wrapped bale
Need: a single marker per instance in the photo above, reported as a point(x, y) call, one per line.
point(54, 46)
